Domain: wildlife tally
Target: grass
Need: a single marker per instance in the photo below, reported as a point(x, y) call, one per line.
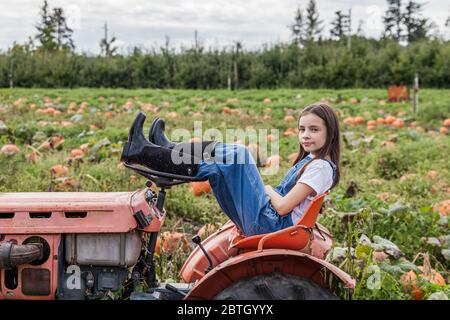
point(384, 191)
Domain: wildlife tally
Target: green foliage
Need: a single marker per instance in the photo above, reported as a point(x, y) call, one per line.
point(324, 64)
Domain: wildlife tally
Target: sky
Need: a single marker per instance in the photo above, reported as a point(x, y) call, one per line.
point(218, 23)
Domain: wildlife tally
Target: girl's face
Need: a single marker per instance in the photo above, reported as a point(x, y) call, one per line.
point(312, 133)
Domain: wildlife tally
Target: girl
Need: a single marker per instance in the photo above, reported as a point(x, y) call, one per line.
point(234, 177)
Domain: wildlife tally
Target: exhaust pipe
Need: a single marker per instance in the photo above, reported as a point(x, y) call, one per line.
point(12, 255)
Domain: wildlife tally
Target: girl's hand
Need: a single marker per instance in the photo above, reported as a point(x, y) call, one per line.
point(268, 188)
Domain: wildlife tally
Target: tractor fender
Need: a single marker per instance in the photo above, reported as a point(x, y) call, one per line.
point(267, 261)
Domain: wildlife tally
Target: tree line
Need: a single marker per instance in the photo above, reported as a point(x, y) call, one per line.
point(311, 60)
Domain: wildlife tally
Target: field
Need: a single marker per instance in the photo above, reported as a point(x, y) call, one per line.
point(389, 214)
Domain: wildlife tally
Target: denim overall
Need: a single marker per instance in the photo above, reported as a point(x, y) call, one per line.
point(239, 189)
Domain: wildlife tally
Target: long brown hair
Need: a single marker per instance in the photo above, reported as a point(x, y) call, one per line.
point(332, 146)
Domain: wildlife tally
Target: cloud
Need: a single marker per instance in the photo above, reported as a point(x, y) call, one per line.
point(218, 22)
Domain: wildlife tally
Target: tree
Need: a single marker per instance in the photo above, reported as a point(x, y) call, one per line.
point(393, 20)
point(298, 27)
point(46, 30)
point(337, 31)
point(313, 24)
point(106, 45)
point(63, 32)
point(416, 26)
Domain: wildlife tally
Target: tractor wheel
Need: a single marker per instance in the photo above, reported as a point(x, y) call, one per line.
point(275, 286)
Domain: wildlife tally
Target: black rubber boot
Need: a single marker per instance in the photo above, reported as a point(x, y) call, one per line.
point(156, 134)
point(183, 159)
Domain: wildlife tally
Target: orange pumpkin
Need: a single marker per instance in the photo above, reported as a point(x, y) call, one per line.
point(273, 160)
point(170, 241)
point(370, 128)
point(390, 119)
point(371, 123)
point(226, 110)
point(349, 121)
point(410, 281)
point(359, 120)
point(443, 130)
point(267, 101)
point(271, 137)
point(446, 122)
point(398, 123)
point(76, 153)
point(173, 115)
point(206, 230)
point(10, 149)
point(59, 170)
point(289, 118)
point(381, 121)
point(442, 207)
point(198, 188)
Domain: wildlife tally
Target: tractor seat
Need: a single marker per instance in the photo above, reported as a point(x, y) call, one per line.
point(295, 237)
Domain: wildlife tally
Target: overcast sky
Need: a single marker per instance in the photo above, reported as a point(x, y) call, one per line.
point(219, 22)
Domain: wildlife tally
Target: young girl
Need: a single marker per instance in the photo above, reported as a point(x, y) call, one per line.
point(234, 177)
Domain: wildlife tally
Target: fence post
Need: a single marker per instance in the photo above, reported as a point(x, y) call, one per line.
point(416, 93)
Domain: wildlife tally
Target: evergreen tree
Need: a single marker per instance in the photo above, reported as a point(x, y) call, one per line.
point(393, 20)
point(298, 27)
point(63, 32)
point(337, 31)
point(313, 24)
point(106, 45)
point(416, 26)
point(46, 30)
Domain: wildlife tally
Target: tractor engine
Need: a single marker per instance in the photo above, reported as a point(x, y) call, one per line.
point(72, 245)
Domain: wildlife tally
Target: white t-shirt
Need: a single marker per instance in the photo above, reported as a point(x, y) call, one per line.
point(319, 176)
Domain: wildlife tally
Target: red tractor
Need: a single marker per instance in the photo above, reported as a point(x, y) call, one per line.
point(85, 245)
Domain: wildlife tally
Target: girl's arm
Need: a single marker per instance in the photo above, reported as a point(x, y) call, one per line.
point(284, 205)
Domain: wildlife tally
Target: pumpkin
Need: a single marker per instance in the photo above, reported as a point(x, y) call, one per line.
point(289, 119)
point(273, 160)
point(226, 110)
point(349, 121)
point(271, 137)
point(170, 241)
point(59, 170)
point(56, 141)
point(33, 156)
point(267, 110)
point(354, 101)
point(267, 101)
point(381, 121)
point(77, 153)
point(442, 207)
point(267, 117)
point(206, 230)
point(10, 149)
point(371, 123)
point(371, 128)
point(443, 130)
point(410, 281)
point(198, 188)
point(432, 174)
point(108, 115)
point(446, 122)
point(359, 120)
point(398, 123)
point(173, 115)
point(390, 119)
